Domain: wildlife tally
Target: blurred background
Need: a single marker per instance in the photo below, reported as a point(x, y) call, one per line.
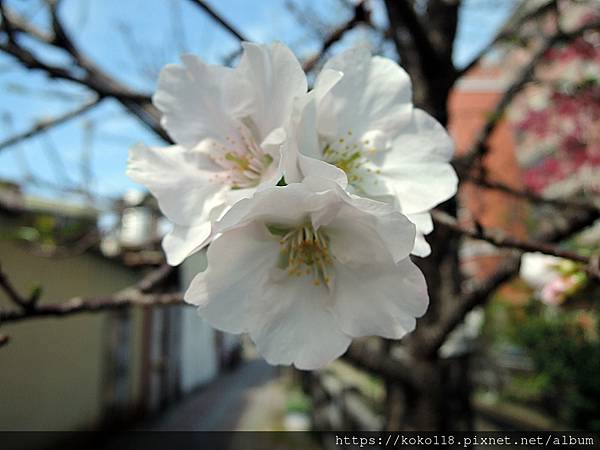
point(516, 82)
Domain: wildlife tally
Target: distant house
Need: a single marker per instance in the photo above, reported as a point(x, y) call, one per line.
point(86, 370)
point(471, 102)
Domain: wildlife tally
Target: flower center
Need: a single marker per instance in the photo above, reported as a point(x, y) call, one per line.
point(350, 155)
point(305, 251)
point(243, 159)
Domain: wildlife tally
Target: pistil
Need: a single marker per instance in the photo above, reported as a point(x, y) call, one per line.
point(243, 159)
point(305, 251)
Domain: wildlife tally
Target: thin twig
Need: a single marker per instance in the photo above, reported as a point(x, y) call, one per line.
point(46, 124)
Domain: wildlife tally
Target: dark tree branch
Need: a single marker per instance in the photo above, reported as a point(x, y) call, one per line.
point(442, 22)
point(504, 33)
point(79, 305)
point(402, 12)
point(360, 355)
point(11, 292)
point(361, 15)
point(12, 23)
point(531, 196)
point(215, 16)
point(137, 295)
point(61, 38)
point(94, 78)
point(500, 239)
point(434, 336)
point(155, 278)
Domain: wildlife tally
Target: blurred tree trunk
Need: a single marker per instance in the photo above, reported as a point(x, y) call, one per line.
point(424, 43)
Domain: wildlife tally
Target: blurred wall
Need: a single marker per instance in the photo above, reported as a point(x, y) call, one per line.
point(199, 357)
point(52, 371)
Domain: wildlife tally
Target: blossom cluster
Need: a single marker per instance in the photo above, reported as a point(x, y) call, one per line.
point(553, 279)
point(312, 201)
point(556, 119)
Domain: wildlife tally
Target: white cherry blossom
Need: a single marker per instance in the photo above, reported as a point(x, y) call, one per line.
point(227, 127)
point(359, 126)
point(538, 269)
point(306, 267)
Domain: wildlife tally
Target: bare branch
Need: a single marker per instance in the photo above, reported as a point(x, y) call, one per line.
point(11, 292)
point(361, 15)
point(500, 239)
point(504, 33)
point(433, 339)
point(61, 38)
point(12, 23)
point(137, 295)
point(94, 78)
point(360, 355)
point(80, 305)
point(155, 278)
point(435, 335)
point(531, 196)
point(212, 13)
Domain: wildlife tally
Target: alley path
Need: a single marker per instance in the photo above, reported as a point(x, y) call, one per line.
point(248, 398)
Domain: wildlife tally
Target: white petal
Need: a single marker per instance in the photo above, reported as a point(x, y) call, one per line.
point(182, 241)
point(306, 137)
point(417, 168)
point(199, 100)
point(365, 229)
point(276, 78)
point(421, 140)
point(424, 225)
point(238, 264)
point(312, 167)
point(422, 221)
point(181, 181)
point(422, 247)
point(303, 137)
point(291, 324)
point(273, 145)
point(303, 141)
point(420, 187)
point(538, 269)
point(280, 205)
point(373, 94)
point(381, 300)
point(325, 81)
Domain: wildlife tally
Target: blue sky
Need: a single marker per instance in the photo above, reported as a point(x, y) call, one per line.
point(132, 39)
